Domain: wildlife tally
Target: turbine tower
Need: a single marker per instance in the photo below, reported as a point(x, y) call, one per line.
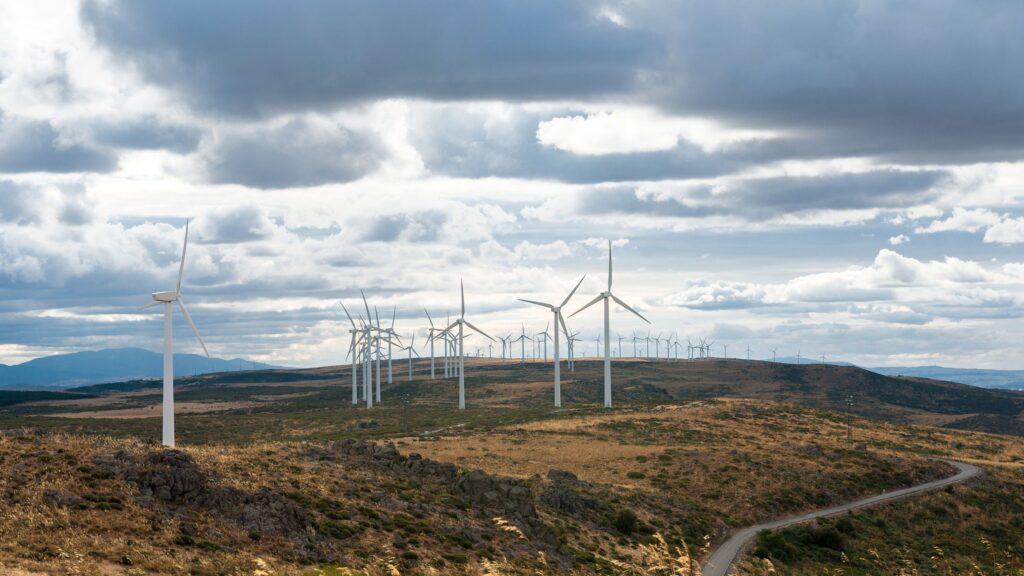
point(559, 321)
point(607, 297)
point(461, 367)
point(168, 299)
point(356, 338)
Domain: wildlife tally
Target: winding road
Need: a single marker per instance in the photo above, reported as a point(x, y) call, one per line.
point(721, 560)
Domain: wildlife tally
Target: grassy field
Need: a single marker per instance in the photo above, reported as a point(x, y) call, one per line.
point(692, 451)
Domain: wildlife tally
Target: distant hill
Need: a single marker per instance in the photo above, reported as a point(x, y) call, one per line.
point(807, 360)
point(115, 364)
point(1005, 379)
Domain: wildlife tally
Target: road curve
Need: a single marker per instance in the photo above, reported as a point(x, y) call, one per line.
point(721, 560)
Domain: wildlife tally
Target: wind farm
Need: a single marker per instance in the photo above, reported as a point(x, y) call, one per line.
point(511, 288)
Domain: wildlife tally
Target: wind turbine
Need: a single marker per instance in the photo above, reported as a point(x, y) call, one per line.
point(391, 333)
point(356, 338)
point(411, 351)
point(748, 352)
point(522, 344)
point(607, 296)
point(462, 359)
point(773, 354)
point(544, 337)
point(168, 299)
point(431, 336)
point(559, 321)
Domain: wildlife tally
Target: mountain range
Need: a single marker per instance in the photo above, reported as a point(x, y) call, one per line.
point(110, 365)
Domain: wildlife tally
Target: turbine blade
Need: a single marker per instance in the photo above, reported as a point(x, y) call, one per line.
point(626, 306)
point(368, 315)
point(181, 267)
point(609, 264)
point(429, 319)
point(394, 310)
point(188, 318)
point(566, 301)
point(347, 314)
point(589, 304)
point(535, 302)
point(454, 324)
point(150, 305)
point(480, 331)
point(564, 328)
point(462, 291)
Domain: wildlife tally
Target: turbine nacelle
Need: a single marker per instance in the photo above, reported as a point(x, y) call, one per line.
point(165, 296)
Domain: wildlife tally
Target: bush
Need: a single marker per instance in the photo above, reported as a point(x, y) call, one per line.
point(792, 544)
point(625, 521)
point(635, 474)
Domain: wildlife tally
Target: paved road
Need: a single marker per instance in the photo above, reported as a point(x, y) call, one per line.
point(723, 557)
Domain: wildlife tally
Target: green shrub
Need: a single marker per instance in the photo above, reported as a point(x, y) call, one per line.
point(625, 521)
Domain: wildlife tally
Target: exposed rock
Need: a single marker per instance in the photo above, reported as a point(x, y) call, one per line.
point(563, 493)
point(173, 477)
point(64, 499)
point(263, 511)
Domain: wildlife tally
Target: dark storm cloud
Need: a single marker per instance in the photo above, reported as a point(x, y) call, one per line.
point(918, 79)
point(420, 227)
point(846, 191)
point(914, 81)
point(299, 153)
point(234, 225)
point(765, 198)
point(468, 144)
point(35, 146)
point(243, 57)
point(149, 133)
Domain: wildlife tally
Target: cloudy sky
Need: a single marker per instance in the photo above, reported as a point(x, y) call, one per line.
point(837, 177)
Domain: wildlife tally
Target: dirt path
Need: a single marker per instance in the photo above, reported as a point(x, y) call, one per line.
point(721, 560)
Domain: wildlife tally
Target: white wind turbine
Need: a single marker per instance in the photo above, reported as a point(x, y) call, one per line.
point(522, 344)
point(168, 299)
point(431, 336)
point(607, 296)
point(411, 350)
point(356, 339)
point(559, 321)
point(462, 359)
point(544, 337)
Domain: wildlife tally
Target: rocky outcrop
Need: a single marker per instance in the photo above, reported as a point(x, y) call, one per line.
point(172, 477)
point(564, 493)
point(168, 475)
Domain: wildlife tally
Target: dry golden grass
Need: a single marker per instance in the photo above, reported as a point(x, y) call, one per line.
point(153, 410)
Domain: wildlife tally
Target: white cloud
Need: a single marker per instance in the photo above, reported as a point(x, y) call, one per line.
point(1008, 231)
point(962, 220)
point(634, 130)
point(900, 239)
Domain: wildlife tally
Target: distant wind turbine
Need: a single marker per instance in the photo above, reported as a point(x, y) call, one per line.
point(168, 299)
point(461, 322)
point(607, 297)
point(559, 321)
